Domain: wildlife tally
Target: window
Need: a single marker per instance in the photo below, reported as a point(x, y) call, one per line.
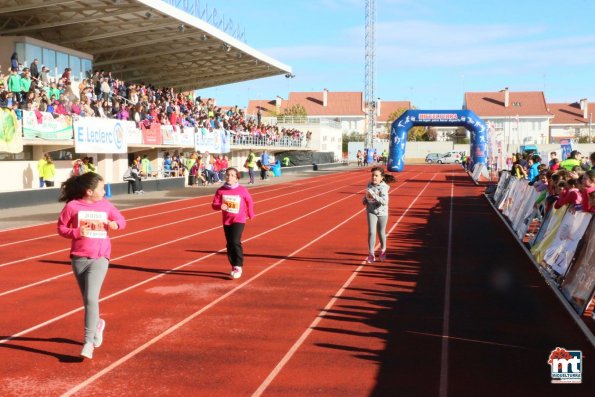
point(65, 154)
point(87, 67)
point(25, 155)
point(49, 59)
point(61, 62)
point(32, 52)
point(20, 50)
point(75, 66)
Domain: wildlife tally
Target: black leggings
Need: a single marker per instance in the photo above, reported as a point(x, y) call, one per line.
point(233, 236)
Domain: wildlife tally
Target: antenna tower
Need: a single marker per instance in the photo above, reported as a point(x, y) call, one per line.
point(370, 101)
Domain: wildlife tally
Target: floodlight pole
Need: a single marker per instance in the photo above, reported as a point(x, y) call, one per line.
point(370, 101)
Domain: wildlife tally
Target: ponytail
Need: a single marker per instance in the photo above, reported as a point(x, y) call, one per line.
point(387, 178)
point(75, 187)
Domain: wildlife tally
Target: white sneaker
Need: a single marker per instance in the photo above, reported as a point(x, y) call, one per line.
point(87, 351)
point(236, 272)
point(98, 338)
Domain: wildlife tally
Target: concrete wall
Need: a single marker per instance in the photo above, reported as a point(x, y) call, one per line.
point(417, 151)
point(50, 195)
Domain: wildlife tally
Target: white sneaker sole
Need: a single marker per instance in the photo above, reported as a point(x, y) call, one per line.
point(98, 341)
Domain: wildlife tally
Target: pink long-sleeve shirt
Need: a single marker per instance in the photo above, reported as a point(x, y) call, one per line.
point(239, 204)
point(97, 214)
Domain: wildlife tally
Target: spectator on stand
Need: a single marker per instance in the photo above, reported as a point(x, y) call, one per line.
point(78, 168)
point(250, 163)
point(553, 156)
point(137, 186)
point(49, 171)
point(90, 167)
point(533, 168)
point(264, 166)
point(569, 194)
point(145, 165)
point(587, 189)
point(13, 85)
point(572, 161)
point(40, 166)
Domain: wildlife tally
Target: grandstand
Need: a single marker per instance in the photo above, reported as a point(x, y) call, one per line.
point(149, 48)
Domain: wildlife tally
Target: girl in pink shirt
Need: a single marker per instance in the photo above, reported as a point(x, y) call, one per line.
point(86, 219)
point(235, 203)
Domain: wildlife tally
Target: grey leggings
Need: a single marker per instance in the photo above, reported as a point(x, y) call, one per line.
point(376, 223)
point(90, 274)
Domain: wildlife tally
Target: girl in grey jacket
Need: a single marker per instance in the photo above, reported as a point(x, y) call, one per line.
point(376, 202)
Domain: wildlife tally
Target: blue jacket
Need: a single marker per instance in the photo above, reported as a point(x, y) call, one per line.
point(264, 158)
point(533, 172)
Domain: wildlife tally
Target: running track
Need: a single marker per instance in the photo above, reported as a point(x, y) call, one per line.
point(456, 310)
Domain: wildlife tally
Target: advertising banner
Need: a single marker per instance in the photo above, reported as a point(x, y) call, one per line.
point(98, 135)
point(185, 137)
point(547, 233)
point(579, 284)
point(561, 251)
point(10, 135)
point(167, 134)
point(133, 134)
point(152, 135)
point(213, 141)
point(567, 146)
point(46, 127)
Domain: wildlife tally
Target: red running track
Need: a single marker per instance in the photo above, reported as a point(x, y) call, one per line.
point(456, 310)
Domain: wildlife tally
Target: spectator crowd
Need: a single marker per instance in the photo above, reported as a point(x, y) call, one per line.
point(102, 95)
point(569, 182)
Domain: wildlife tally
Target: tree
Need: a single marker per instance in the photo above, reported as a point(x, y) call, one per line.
point(295, 110)
point(395, 115)
point(459, 136)
point(351, 137)
point(415, 133)
point(431, 134)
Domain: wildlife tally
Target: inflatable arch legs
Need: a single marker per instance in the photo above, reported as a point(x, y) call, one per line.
point(450, 118)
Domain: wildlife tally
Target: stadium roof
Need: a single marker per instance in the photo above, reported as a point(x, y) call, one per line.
point(141, 40)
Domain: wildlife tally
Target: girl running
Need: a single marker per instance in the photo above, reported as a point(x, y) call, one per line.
point(376, 202)
point(235, 203)
point(86, 219)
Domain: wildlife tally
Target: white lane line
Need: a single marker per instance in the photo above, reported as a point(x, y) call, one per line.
point(151, 228)
point(446, 313)
point(273, 374)
point(170, 241)
point(209, 197)
point(50, 321)
point(177, 326)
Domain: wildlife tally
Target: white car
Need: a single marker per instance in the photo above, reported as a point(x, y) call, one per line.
point(450, 158)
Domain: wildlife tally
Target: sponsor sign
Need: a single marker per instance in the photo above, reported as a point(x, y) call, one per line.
point(95, 135)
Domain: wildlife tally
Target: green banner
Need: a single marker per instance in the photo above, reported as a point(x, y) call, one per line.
point(10, 136)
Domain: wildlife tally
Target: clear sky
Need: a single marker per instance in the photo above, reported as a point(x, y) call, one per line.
point(427, 51)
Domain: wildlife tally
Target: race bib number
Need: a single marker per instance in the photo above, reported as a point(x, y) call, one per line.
point(233, 203)
point(95, 222)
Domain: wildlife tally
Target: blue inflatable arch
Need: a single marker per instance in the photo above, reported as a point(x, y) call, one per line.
point(450, 118)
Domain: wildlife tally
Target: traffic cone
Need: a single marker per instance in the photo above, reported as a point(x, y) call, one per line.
point(108, 190)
